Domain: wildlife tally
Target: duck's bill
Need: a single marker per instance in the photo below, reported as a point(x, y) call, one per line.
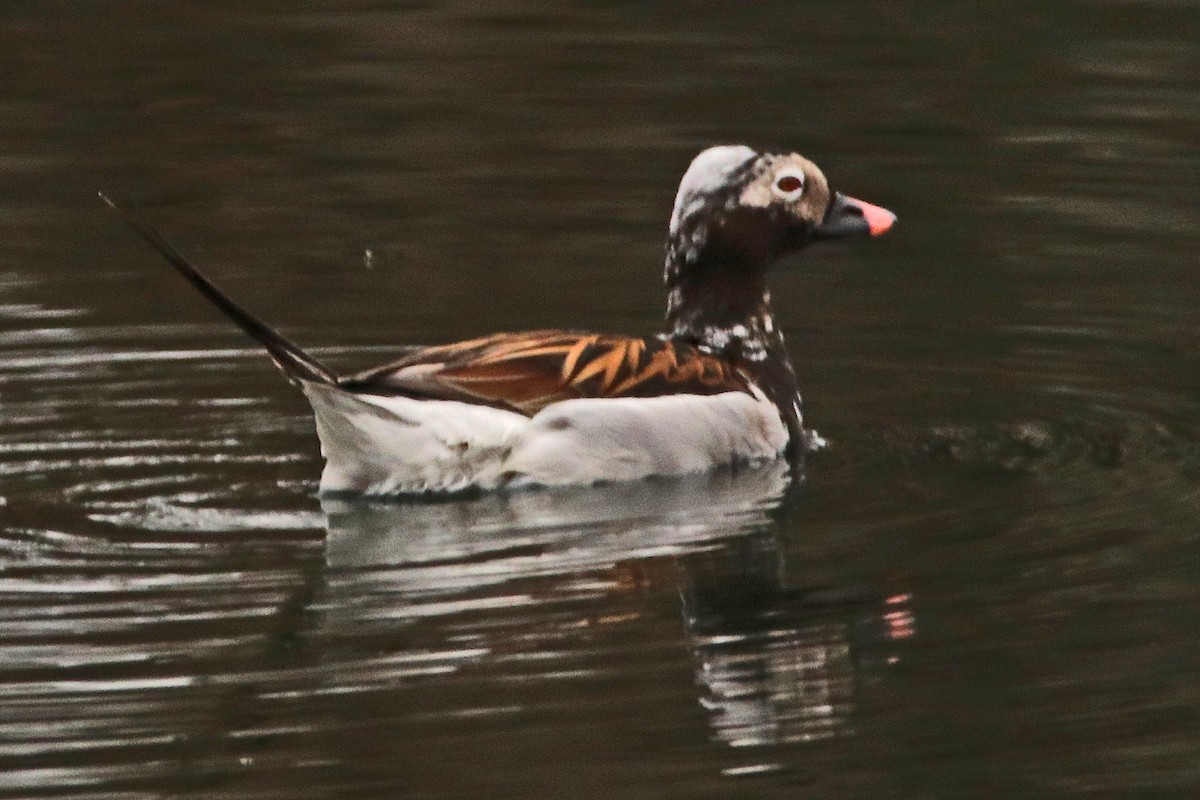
point(847, 216)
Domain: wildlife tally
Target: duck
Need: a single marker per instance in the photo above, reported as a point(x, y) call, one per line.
point(567, 407)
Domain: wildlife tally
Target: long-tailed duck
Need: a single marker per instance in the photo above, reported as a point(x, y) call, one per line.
point(568, 407)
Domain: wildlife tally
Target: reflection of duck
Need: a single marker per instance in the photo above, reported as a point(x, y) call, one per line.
point(541, 577)
point(473, 578)
point(776, 664)
point(561, 407)
point(556, 528)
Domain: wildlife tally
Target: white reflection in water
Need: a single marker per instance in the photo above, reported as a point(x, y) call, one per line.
point(161, 515)
point(555, 528)
point(771, 665)
point(777, 664)
point(788, 685)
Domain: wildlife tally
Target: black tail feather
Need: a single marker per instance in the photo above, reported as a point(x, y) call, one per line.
point(295, 363)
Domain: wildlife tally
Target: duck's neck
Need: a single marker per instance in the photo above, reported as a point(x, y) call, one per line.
point(717, 300)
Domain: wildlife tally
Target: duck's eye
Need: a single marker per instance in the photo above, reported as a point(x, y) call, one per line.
point(789, 185)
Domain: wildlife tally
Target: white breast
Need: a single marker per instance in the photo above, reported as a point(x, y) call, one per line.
point(384, 445)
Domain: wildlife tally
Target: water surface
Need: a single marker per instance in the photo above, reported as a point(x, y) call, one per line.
point(985, 586)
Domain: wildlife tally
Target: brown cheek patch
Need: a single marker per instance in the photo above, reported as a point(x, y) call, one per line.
point(815, 203)
point(816, 194)
point(757, 194)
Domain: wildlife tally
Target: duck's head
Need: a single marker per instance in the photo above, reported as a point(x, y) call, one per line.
point(737, 211)
point(759, 206)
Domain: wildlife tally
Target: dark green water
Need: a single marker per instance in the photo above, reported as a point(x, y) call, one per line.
point(986, 587)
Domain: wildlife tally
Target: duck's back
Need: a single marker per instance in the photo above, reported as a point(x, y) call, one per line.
point(528, 371)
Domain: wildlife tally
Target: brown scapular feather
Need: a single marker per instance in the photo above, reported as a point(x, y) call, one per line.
point(526, 372)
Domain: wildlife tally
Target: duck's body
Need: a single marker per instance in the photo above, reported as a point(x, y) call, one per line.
point(561, 407)
point(397, 444)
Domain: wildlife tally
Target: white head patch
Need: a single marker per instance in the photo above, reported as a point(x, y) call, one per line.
point(708, 172)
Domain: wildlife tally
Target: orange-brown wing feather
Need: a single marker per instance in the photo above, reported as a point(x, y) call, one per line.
point(526, 372)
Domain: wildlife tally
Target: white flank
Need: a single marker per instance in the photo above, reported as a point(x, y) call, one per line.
point(386, 445)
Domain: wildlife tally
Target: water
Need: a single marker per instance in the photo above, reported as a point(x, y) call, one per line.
point(985, 587)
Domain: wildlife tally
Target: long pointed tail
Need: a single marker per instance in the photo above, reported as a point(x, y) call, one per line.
point(296, 364)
